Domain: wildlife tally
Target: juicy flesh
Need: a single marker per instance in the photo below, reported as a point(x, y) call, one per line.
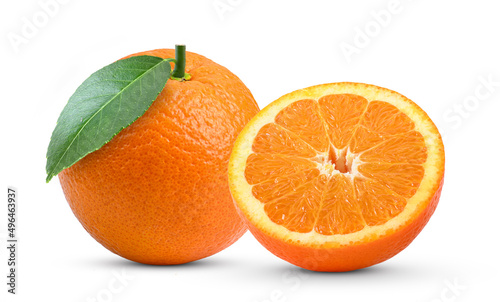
point(336, 165)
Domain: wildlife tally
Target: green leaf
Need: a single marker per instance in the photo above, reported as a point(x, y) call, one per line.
point(107, 102)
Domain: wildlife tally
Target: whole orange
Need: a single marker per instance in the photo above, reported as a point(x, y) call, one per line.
point(157, 193)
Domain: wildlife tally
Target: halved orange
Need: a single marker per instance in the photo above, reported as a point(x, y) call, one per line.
point(337, 177)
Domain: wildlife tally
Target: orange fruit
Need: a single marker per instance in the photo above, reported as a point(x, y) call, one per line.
point(157, 193)
point(337, 177)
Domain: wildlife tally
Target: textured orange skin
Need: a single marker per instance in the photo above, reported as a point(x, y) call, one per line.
point(351, 257)
point(158, 193)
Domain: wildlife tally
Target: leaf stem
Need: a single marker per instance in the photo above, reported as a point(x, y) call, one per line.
point(179, 73)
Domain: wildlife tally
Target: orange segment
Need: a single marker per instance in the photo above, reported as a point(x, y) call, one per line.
point(340, 212)
point(309, 127)
point(409, 148)
point(364, 139)
point(402, 179)
point(377, 203)
point(380, 121)
point(342, 113)
point(262, 167)
point(283, 185)
point(274, 139)
point(298, 210)
point(385, 119)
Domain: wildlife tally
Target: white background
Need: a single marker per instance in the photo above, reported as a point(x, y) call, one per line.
point(437, 53)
